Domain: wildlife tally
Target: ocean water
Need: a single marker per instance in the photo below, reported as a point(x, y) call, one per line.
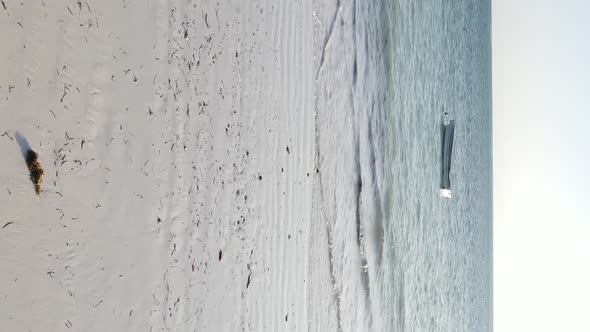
point(403, 258)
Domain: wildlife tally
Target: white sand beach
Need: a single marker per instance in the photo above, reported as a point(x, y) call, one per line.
point(178, 144)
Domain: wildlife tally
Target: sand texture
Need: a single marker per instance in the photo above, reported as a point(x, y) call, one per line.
point(177, 140)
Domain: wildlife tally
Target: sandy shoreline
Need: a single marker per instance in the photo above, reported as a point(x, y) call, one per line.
point(243, 166)
point(178, 146)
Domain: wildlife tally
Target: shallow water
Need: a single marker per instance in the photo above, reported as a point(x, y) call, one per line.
point(403, 258)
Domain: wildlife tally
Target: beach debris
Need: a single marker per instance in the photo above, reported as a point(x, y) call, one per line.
point(220, 254)
point(66, 90)
point(8, 224)
point(35, 170)
point(7, 135)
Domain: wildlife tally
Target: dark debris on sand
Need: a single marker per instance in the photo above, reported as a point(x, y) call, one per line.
point(35, 170)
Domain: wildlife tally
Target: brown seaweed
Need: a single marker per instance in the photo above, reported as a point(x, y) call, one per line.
point(35, 170)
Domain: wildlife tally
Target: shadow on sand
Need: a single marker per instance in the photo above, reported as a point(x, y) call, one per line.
point(23, 143)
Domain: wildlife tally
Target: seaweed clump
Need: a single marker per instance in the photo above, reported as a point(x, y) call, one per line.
point(35, 170)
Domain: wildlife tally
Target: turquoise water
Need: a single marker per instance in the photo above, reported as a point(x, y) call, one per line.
point(403, 258)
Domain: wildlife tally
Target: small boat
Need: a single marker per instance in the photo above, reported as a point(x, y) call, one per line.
point(447, 133)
